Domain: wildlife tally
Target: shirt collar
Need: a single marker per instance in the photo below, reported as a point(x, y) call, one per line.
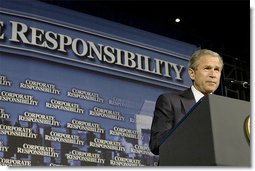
point(197, 94)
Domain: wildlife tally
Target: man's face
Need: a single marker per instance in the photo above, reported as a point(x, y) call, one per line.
point(206, 76)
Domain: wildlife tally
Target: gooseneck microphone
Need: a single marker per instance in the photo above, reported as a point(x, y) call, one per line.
point(235, 83)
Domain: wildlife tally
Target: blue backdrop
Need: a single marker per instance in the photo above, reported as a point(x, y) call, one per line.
point(61, 109)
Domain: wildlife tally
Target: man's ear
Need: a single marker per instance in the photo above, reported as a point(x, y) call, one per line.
point(191, 74)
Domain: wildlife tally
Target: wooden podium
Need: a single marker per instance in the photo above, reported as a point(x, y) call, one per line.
point(213, 133)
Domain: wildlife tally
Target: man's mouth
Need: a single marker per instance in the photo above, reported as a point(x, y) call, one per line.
point(211, 82)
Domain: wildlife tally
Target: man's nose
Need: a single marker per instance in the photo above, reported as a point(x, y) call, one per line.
point(213, 73)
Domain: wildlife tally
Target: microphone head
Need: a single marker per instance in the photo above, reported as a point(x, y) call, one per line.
point(230, 82)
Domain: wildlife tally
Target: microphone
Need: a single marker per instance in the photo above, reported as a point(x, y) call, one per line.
point(236, 83)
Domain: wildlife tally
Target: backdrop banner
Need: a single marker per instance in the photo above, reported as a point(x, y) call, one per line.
point(77, 90)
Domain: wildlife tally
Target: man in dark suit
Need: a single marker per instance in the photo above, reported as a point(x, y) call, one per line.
point(204, 69)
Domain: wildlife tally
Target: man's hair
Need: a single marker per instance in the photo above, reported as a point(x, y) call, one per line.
point(194, 60)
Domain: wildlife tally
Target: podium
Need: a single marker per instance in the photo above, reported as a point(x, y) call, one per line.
point(213, 133)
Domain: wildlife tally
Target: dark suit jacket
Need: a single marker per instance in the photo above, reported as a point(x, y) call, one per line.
point(169, 110)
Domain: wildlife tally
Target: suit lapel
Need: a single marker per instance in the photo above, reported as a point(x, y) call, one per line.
point(188, 100)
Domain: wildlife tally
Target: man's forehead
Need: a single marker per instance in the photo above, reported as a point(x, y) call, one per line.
point(209, 61)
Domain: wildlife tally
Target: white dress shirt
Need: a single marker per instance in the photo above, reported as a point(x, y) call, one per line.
point(197, 94)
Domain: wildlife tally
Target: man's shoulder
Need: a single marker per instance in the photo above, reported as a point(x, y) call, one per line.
point(177, 93)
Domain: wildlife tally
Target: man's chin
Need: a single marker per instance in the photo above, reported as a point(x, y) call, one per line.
point(209, 91)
